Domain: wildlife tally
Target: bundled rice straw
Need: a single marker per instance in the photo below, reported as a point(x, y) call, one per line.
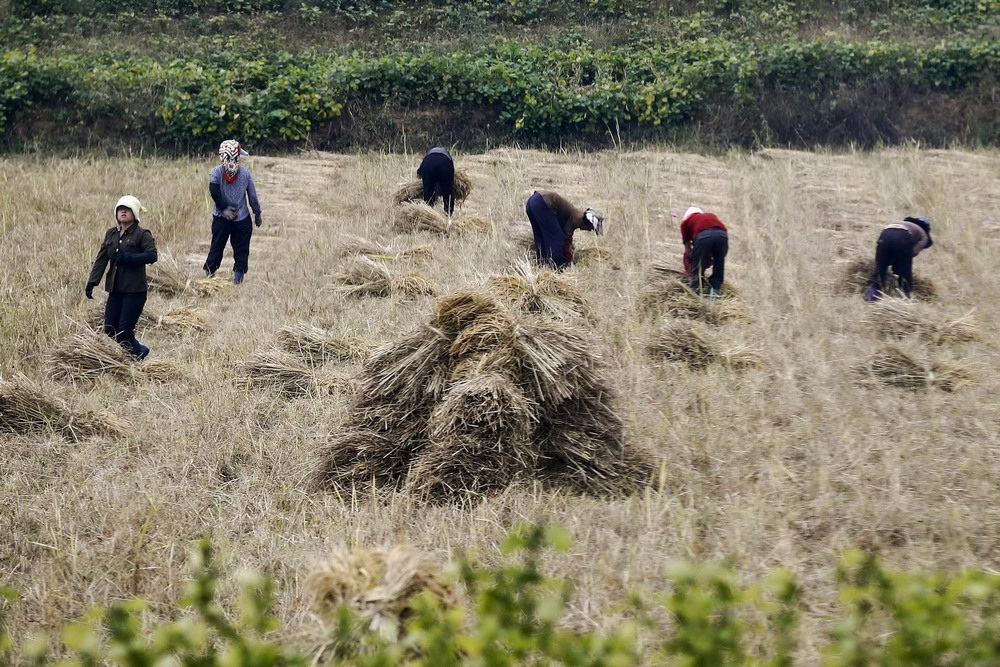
point(279, 370)
point(667, 291)
point(87, 355)
point(363, 277)
point(590, 256)
point(320, 346)
point(418, 216)
point(897, 318)
point(893, 366)
point(486, 396)
point(414, 190)
point(470, 223)
point(688, 341)
point(377, 585)
point(378, 251)
point(855, 275)
point(26, 408)
point(166, 276)
point(528, 288)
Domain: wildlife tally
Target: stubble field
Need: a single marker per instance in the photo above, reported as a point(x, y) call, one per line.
point(788, 463)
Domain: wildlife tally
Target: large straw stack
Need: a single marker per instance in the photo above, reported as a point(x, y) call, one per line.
point(484, 396)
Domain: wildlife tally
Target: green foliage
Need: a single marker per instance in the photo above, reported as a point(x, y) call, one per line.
point(515, 616)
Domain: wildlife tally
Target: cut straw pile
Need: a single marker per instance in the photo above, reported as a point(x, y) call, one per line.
point(484, 396)
point(288, 375)
point(320, 346)
point(377, 585)
point(690, 342)
point(88, 355)
point(898, 318)
point(414, 190)
point(25, 407)
point(181, 318)
point(418, 216)
point(895, 367)
point(364, 277)
point(855, 275)
point(667, 291)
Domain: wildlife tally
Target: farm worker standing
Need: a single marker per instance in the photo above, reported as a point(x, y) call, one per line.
point(231, 186)
point(706, 243)
point(553, 221)
point(437, 171)
point(897, 245)
point(126, 250)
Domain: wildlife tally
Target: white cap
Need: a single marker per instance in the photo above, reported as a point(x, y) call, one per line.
point(691, 211)
point(130, 202)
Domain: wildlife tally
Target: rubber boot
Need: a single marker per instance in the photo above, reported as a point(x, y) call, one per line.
point(140, 351)
point(238, 278)
point(871, 294)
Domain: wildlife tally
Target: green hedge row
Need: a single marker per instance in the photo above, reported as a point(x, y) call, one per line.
point(531, 92)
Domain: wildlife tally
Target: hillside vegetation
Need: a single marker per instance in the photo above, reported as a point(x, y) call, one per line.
point(784, 461)
point(178, 75)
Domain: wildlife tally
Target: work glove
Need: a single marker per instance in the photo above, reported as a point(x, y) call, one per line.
point(229, 213)
point(90, 290)
point(258, 220)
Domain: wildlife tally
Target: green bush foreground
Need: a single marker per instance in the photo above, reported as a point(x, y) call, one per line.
point(514, 616)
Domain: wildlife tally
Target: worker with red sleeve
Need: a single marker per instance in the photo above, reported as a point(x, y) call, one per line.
point(706, 243)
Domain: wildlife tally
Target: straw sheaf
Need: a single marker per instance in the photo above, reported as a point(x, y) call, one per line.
point(667, 291)
point(855, 275)
point(87, 355)
point(456, 310)
point(320, 345)
point(405, 369)
point(25, 407)
point(418, 216)
point(377, 251)
point(898, 318)
point(377, 585)
point(166, 276)
point(364, 277)
point(592, 255)
point(288, 375)
point(414, 190)
point(689, 342)
point(896, 367)
point(532, 290)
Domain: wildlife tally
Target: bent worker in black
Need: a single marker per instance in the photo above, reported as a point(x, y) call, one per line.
point(897, 245)
point(553, 221)
point(126, 250)
point(437, 172)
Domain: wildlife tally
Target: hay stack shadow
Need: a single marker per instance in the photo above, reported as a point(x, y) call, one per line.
point(494, 390)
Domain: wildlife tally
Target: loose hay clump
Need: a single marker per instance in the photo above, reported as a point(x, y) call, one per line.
point(181, 318)
point(481, 399)
point(667, 292)
point(364, 277)
point(470, 223)
point(895, 367)
point(898, 318)
point(418, 216)
point(527, 288)
point(854, 277)
point(25, 407)
point(413, 191)
point(208, 286)
point(320, 346)
point(377, 585)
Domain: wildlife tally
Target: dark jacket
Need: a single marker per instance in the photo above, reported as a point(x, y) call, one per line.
point(127, 254)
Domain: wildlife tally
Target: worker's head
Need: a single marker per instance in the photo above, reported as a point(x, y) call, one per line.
point(593, 220)
point(691, 211)
point(924, 224)
point(127, 210)
point(229, 155)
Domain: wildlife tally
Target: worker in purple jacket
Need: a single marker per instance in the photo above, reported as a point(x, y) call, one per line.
point(897, 245)
point(231, 187)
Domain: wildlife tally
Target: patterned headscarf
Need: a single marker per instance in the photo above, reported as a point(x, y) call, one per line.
point(229, 155)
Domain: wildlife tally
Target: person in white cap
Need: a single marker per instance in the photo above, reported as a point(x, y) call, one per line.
point(553, 221)
point(706, 243)
point(127, 249)
point(231, 186)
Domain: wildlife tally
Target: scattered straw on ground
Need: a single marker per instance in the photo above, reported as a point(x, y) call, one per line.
point(25, 407)
point(414, 190)
point(893, 366)
point(320, 346)
point(898, 318)
point(378, 585)
point(854, 277)
point(364, 277)
point(87, 355)
point(591, 256)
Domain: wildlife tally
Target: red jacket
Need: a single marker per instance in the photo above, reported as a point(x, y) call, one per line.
point(697, 223)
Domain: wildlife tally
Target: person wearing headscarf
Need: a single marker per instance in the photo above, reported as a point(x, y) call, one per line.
point(553, 221)
point(706, 244)
point(125, 251)
point(231, 186)
point(437, 173)
point(897, 245)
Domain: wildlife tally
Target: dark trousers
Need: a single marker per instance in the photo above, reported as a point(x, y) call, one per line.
point(550, 241)
point(237, 232)
point(437, 171)
point(121, 314)
point(895, 249)
point(710, 243)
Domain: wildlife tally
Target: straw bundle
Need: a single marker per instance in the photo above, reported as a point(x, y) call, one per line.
point(530, 289)
point(590, 256)
point(26, 408)
point(87, 355)
point(418, 216)
point(287, 374)
point(897, 318)
point(363, 277)
point(378, 251)
point(483, 397)
point(320, 346)
point(855, 275)
point(667, 291)
point(470, 223)
point(683, 340)
point(182, 318)
point(377, 585)
point(414, 190)
point(893, 366)
point(166, 276)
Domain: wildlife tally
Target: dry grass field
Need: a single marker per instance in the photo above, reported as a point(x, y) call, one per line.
point(785, 461)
